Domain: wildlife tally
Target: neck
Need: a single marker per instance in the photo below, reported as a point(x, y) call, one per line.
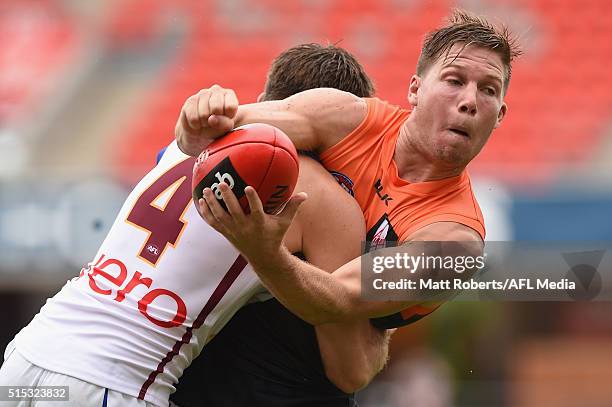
point(415, 163)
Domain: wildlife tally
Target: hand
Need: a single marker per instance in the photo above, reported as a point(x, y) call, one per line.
point(257, 235)
point(205, 116)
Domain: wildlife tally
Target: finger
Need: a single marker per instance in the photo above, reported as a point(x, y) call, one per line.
point(203, 110)
point(255, 204)
point(190, 112)
point(221, 123)
point(233, 206)
point(182, 123)
point(206, 213)
point(231, 103)
point(217, 210)
point(216, 102)
point(291, 208)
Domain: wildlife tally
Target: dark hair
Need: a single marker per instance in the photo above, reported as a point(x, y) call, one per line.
point(310, 66)
point(468, 29)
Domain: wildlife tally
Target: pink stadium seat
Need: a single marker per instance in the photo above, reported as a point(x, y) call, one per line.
point(38, 43)
point(133, 21)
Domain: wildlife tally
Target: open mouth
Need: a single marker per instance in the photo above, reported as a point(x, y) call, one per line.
point(460, 132)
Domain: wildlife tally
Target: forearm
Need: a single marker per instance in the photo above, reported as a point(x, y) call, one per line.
point(309, 292)
point(273, 113)
point(314, 120)
point(284, 116)
point(319, 297)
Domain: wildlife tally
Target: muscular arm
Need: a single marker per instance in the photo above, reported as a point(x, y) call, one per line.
point(314, 120)
point(337, 297)
point(308, 291)
point(313, 294)
point(331, 228)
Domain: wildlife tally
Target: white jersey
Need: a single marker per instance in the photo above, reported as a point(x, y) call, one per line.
point(161, 285)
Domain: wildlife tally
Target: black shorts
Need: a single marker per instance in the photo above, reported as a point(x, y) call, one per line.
point(265, 356)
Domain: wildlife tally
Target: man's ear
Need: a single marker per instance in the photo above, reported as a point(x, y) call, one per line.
point(261, 96)
point(415, 84)
point(502, 113)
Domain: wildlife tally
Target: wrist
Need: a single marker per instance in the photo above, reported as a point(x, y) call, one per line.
point(189, 143)
point(276, 259)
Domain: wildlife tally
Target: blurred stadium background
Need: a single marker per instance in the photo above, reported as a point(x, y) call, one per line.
point(90, 91)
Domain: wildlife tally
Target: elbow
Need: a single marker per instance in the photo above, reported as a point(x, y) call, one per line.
point(353, 376)
point(349, 381)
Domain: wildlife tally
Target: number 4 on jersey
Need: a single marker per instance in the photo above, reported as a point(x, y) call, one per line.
point(159, 210)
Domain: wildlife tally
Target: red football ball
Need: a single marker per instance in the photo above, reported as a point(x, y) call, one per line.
point(258, 155)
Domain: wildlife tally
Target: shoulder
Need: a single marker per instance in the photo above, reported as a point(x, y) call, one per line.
point(313, 177)
point(328, 211)
point(330, 221)
point(324, 192)
point(328, 205)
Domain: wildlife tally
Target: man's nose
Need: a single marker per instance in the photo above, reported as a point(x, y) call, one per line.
point(467, 101)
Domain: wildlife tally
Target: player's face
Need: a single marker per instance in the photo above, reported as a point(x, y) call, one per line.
point(458, 103)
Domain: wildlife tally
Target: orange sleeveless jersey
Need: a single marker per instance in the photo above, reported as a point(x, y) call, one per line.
point(394, 208)
point(363, 161)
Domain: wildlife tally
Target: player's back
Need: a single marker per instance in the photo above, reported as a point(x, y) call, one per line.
point(264, 357)
point(162, 283)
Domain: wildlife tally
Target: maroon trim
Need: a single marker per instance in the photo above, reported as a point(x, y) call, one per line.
point(224, 285)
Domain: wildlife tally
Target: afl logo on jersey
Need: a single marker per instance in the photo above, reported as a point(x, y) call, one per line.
point(153, 250)
point(344, 181)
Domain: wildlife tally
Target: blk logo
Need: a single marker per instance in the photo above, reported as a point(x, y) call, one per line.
point(379, 187)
